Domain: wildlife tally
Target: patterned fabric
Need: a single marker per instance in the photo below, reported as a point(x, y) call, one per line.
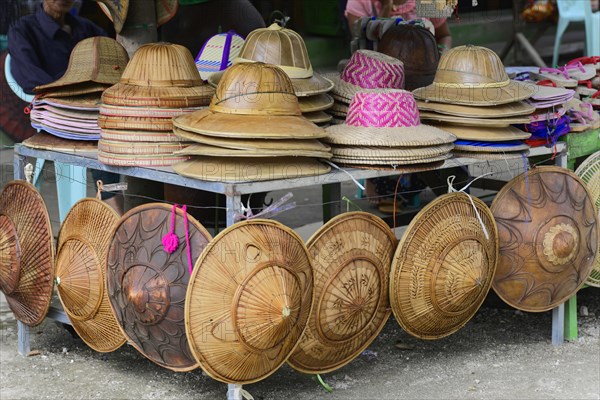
point(383, 110)
point(218, 53)
point(373, 72)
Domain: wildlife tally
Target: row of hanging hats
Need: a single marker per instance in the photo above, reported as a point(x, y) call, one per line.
point(68, 108)
point(252, 131)
point(160, 82)
point(286, 49)
point(472, 97)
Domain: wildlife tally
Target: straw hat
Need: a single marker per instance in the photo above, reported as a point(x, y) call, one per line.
point(44, 141)
point(351, 257)
point(373, 159)
point(242, 169)
point(513, 109)
point(548, 234)
point(97, 59)
point(249, 300)
point(217, 151)
point(475, 122)
point(399, 169)
point(75, 115)
point(64, 132)
point(473, 75)
point(400, 153)
point(84, 88)
point(253, 100)
point(485, 134)
point(138, 136)
point(417, 48)
point(144, 112)
point(80, 272)
point(317, 117)
point(385, 118)
point(589, 172)
point(26, 252)
point(140, 148)
point(139, 160)
point(509, 155)
point(89, 102)
point(135, 123)
point(160, 75)
point(318, 102)
point(147, 286)
point(286, 49)
point(116, 11)
point(368, 69)
point(490, 147)
point(444, 266)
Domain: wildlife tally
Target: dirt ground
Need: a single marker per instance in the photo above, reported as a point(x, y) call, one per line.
point(500, 354)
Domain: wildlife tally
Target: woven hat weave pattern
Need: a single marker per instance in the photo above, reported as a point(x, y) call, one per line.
point(383, 110)
point(372, 70)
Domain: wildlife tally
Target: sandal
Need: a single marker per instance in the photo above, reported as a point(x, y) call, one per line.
point(585, 116)
point(594, 100)
point(593, 60)
point(585, 88)
point(557, 75)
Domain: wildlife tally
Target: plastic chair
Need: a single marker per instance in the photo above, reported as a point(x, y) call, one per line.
point(578, 11)
point(71, 181)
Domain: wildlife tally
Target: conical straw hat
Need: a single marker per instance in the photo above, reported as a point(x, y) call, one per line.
point(473, 75)
point(351, 257)
point(80, 273)
point(444, 266)
point(98, 59)
point(26, 252)
point(589, 172)
point(147, 286)
point(548, 235)
point(249, 301)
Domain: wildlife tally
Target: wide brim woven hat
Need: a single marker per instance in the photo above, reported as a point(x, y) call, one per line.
point(477, 122)
point(144, 112)
point(400, 153)
point(444, 266)
point(147, 285)
point(78, 89)
point(589, 172)
point(81, 103)
point(140, 148)
point(135, 123)
point(63, 112)
point(139, 160)
point(123, 94)
point(217, 151)
point(319, 102)
point(242, 169)
point(399, 169)
point(26, 252)
point(317, 117)
point(249, 300)
point(490, 147)
point(63, 132)
point(548, 235)
point(514, 109)
point(485, 134)
point(44, 141)
point(80, 273)
point(351, 257)
point(373, 159)
point(386, 118)
point(98, 59)
point(252, 144)
point(138, 136)
point(507, 155)
point(84, 126)
point(473, 75)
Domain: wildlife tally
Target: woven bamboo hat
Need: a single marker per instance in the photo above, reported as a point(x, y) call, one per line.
point(444, 266)
point(351, 257)
point(140, 148)
point(548, 235)
point(135, 123)
point(286, 49)
point(473, 75)
point(139, 160)
point(513, 109)
point(485, 134)
point(147, 286)
point(368, 159)
point(98, 59)
point(400, 153)
point(253, 100)
point(26, 252)
point(138, 136)
point(508, 155)
point(89, 102)
point(249, 301)
point(490, 147)
point(80, 89)
point(160, 75)
point(474, 122)
point(217, 151)
point(116, 10)
point(80, 273)
point(318, 102)
point(317, 117)
point(144, 112)
point(76, 115)
point(247, 169)
point(44, 141)
point(589, 172)
point(385, 118)
point(368, 70)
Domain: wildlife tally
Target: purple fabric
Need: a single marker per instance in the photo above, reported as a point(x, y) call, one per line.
point(227, 50)
point(549, 130)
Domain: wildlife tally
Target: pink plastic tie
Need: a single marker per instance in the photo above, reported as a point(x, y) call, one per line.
point(557, 71)
point(171, 241)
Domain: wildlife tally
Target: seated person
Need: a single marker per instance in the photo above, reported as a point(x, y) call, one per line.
point(40, 45)
point(406, 9)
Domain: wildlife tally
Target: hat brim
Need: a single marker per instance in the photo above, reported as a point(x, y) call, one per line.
point(135, 123)
point(123, 94)
point(211, 123)
point(319, 102)
point(415, 136)
point(45, 141)
point(509, 155)
point(489, 149)
point(500, 111)
point(136, 160)
point(368, 160)
point(470, 121)
point(216, 151)
point(84, 102)
point(73, 90)
point(138, 136)
point(140, 148)
point(344, 91)
point(144, 112)
point(317, 117)
point(486, 134)
point(401, 153)
point(461, 94)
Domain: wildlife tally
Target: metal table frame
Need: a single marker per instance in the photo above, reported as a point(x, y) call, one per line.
point(331, 186)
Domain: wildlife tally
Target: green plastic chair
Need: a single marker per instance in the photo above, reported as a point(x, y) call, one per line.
point(578, 11)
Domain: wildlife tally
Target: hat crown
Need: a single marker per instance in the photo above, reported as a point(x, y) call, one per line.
point(162, 64)
point(385, 109)
point(471, 65)
point(255, 88)
point(278, 46)
point(372, 70)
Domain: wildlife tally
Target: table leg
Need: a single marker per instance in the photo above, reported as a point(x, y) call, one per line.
point(332, 194)
point(23, 338)
point(233, 203)
point(234, 392)
point(19, 166)
point(558, 325)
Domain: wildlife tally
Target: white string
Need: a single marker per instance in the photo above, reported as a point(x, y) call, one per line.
point(357, 183)
point(28, 172)
point(451, 189)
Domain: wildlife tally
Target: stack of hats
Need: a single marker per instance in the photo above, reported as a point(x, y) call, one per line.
point(383, 130)
point(549, 121)
point(286, 49)
point(366, 70)
point(472, 97)
point(69, 107)
point(252, 131)
point(160, 82)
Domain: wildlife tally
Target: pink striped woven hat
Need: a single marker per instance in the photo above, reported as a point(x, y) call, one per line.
point(368, 70)
point(387, 118)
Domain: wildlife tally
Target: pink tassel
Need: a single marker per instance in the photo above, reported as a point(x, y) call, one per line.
point(170, 241)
